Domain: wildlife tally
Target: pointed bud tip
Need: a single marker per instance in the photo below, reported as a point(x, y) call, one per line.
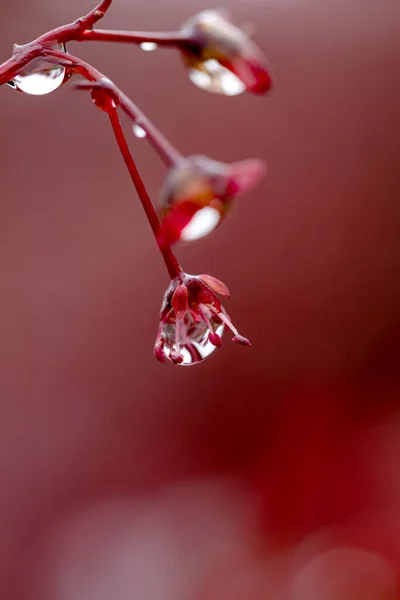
point(180, 299)
point(245, 175)
point(239, 339)
point(159, 354)
point(215, 339)
point(176, 358)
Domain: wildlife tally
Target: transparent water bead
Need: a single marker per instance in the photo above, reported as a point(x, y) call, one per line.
point(192, 320)
point(139, 132)
point(202, 224)
point(196, 346)
point(212, 77)
point(41, 78)
point(148, 46)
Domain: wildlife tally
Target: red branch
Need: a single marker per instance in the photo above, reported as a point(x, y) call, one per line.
point(176, 38)
point(170, 260)
point(81, 30)
point(168, 153)
point(94, 15)
point(72, 31)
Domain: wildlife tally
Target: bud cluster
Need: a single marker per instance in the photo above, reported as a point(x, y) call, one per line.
point(198, 192)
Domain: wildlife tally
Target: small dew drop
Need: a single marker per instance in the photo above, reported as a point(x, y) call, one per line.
point(139, 132)
point(212, 77)
point(203, 222)
point(42, 78)
point(148, 46)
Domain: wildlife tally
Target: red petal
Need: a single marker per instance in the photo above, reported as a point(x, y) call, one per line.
point(180, 300)
point(239, 339)
point(216, 285)
point(215, 339)
point(159, 354)
point(245, 175)
point(252, 68)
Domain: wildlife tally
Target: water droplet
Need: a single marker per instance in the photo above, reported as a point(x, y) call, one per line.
point(196, 346)
point(102, 99)
point(212, 77)
point(148, 46)
point(202, 223)
point(139, 132)
point(42, 78)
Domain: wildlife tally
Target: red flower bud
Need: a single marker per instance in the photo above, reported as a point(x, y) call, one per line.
point(192, 321)
point(198, 194)
point(221, 58)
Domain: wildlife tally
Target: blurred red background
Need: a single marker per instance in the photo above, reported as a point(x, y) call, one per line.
point(269, 472)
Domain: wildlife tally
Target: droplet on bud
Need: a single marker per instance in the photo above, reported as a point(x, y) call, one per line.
point(190, 331)
point(196, 346)
point(212, 77)
point(102, 99)
point(192, 320)
point(203, 223)
point(221, 58)
point(148, 46)
point(198, 194)
point(139, 132)
point(41, 77)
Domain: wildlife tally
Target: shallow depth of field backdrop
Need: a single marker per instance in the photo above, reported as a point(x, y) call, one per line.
point(264, 473)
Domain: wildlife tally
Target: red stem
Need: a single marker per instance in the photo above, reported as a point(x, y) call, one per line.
point(80, 30)
point(94, 15)
point(72, 31)
point(167, 151)
point(77, 30)
point(134, 37)
point(170, 260)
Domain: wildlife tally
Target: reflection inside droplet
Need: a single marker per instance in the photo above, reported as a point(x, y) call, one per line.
point(203, 222)
point(148, 46)
point(139, 132)
point(41, 78)
point(196, 346)
point(211, 76)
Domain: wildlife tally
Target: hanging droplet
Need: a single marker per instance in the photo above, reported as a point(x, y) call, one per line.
point(139, 132)
point(223, 58)
point(196, 346)
point(203, 223)
point(212, 77)
point(42, 77)
point(148, 46)
point(102, 99)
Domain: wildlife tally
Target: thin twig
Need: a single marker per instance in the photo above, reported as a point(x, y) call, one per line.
point(167, 152)
point(24, 54)
point(176, 38)
point(170, 260)
point(95, 15)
